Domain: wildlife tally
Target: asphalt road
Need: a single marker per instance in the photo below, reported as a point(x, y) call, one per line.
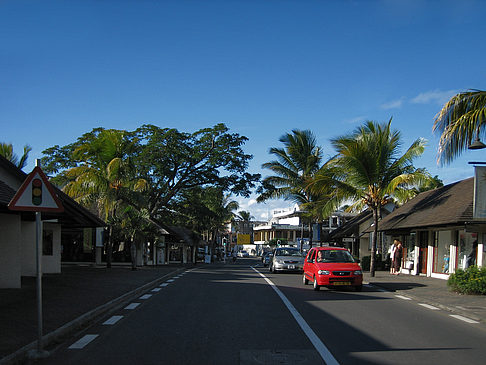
point(233, 315)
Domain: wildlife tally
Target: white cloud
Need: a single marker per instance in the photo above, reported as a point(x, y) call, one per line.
point(434, 96)
point(355, 120)
point(251, 202)
point(393, 104)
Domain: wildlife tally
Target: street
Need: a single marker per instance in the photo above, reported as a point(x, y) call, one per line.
point(232, 315)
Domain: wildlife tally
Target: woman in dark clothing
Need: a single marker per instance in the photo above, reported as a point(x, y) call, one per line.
point(397, 257)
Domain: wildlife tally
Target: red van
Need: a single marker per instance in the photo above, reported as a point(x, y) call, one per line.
point(332, 267)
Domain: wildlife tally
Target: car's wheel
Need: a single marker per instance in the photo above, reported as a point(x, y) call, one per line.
point(315, 286)
point(305, 280)
point(358, 287)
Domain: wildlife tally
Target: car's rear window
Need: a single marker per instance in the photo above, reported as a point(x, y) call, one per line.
point(336, 256)
point(287, 252)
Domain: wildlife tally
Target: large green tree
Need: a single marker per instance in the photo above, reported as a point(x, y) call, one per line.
point(166, 163)
point(369, 169)
point(173, 162)
point(296, 162)
point(99, 173)
point(460, 121)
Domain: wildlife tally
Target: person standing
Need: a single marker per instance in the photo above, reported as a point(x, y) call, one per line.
point(397, 257)
point(392, 254)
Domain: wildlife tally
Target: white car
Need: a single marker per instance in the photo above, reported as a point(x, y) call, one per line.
point(286, 259)
point(243, 253)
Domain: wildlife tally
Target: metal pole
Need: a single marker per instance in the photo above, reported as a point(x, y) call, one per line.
point(39, 279)
point(40, 353)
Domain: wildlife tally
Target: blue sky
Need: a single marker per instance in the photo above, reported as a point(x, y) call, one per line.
point(261, 67)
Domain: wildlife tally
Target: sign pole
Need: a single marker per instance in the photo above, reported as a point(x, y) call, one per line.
point(37, 195)
point(38, 246)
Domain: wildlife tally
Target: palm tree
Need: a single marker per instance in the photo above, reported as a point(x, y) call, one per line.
point(222, 212)
point(369, 170)
point(461, 119)
point(296, 163)
point(6, 150)
point(105, 178)
point(244, 216)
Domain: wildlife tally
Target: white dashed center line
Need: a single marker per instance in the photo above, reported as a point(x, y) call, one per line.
point(402, 297)
point(82, 342)
point(463, 318)
point(428, 306)
point(112, 320)
point(132, 306)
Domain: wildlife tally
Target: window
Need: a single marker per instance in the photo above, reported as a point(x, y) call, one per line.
point(442, 254)
point(467, 252)
point(47, 242)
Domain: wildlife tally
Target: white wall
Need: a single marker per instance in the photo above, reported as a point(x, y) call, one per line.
point(29, 267)
point(10, 265)
point(295, 221)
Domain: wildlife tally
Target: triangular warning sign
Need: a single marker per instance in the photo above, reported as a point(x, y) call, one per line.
point(36, 194)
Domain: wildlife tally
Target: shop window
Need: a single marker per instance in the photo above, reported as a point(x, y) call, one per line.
point(47, 242)
point(442, 254)
point(408, 251)
point(466, 249)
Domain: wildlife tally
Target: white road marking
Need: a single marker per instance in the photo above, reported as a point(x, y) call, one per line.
point(112, 320)
point(316, 341)
point(429, 306)
point(82, 342)
point(164, 284)
point(402, 297)
point(463, 318)
point(146, 296)
point(132, 306)
point(156, 289)
point(170, 281)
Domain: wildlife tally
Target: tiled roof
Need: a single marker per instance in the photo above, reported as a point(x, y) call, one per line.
point(448, 205)
point(6, 193)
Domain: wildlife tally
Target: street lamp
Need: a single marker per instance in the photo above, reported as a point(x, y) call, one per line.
point(477, 144)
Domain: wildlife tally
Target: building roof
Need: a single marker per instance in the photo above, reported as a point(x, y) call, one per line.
point(74, 215)
point(349, 227)
point(449, 205)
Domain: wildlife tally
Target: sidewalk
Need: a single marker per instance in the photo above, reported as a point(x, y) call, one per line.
point(77, 296)
point(431, 291)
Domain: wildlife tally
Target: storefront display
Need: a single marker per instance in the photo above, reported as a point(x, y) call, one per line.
point(467, 250)
point(442, 251)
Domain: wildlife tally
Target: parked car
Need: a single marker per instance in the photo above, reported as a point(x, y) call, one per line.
point(243, 253)
point(286, 259)
point(332, 267)
point(267, 256)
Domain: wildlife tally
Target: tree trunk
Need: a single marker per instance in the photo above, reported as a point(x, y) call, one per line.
point(109, 247)
point(373, 242)
point(310, 233)
point(213, 245)
point(133, 253)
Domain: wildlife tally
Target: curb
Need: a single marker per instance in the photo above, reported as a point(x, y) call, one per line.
point(113, 305)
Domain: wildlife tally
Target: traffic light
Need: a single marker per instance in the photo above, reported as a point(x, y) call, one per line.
point(37, 191)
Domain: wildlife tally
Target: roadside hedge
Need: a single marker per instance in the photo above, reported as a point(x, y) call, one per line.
point(469, 281)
